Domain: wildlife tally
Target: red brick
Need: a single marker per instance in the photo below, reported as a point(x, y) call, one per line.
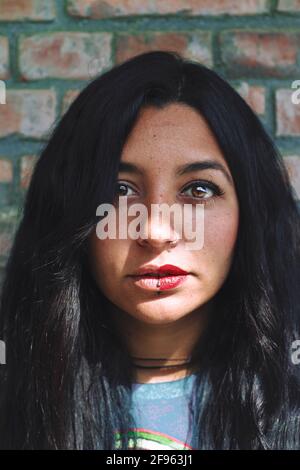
point(292, 163)
point(28, 112)
point(4, 72)
point(287, 114)
point(6, 171)
point(19, 10)
point(254, 95)
point(250, 53)
point(27, 165)
point(63, 54)
point(289, 5)
point(112, 8)
point(196, 46)
point(68, 98)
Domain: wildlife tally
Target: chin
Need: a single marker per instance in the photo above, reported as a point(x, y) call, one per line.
point(159, 312)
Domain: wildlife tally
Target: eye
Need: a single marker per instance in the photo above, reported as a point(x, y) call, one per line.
point(203, 190)
point(121, 189)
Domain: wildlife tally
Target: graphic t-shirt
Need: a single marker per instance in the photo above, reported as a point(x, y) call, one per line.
point(162, 413)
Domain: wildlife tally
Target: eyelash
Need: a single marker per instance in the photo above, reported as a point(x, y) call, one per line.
point(206, 184)
point(203, 183)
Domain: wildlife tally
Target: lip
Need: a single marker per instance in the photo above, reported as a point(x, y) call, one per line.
point(159, 271)
point(155, 283)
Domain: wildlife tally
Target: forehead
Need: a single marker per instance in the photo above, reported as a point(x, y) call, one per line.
point(174, 134)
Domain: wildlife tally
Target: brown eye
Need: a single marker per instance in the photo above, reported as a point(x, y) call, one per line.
point(197, 191)
point(122, 190)
point(202, 190)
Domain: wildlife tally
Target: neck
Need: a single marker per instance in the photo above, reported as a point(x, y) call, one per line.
point(162, 344)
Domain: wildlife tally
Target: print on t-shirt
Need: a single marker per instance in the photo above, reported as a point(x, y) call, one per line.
point(162, 414)
point(153, 440)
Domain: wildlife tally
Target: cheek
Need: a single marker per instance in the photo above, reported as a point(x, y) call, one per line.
point(220, 234)
point(107, 258)
point(101, 256)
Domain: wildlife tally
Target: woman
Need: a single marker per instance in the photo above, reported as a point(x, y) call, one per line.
point(89, 322)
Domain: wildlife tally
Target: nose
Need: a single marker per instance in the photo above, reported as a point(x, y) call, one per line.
point(157, 232)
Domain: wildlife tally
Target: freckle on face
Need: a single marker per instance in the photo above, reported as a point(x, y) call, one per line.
point(181, 136)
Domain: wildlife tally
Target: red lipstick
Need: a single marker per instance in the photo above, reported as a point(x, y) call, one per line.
point(160, 270)
point(164, 277)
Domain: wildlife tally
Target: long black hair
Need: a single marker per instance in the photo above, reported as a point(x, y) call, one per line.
point(67, 379)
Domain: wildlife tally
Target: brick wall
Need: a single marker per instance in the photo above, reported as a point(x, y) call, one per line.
point(50, 48)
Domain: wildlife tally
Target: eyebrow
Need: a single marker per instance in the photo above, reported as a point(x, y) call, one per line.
point(182, 169)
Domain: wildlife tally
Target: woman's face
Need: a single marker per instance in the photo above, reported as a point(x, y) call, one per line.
point(162, 142)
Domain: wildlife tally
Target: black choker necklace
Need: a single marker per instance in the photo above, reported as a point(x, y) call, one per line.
point(160, 359)
point(161, 367)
